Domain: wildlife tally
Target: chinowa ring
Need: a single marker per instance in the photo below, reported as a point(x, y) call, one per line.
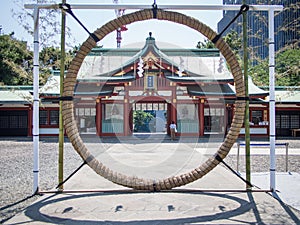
point(173, 181)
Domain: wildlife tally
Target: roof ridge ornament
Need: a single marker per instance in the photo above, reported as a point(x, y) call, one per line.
point(150, 36)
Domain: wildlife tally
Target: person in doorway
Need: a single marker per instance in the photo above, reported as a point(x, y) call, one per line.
point(173, 130)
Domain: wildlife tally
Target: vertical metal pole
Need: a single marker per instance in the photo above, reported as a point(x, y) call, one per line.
point(246, 122)
point(286, 157)
point(35, 125)
point(272, 100)
point(61, 125)
point(238, 157)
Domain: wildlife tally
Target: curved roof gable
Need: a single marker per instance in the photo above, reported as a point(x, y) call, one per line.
point(175, 63)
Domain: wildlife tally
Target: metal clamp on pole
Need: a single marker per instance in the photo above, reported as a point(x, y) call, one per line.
point(286, 157)
point(154, 9)
point(66, 98)
point(238, 157)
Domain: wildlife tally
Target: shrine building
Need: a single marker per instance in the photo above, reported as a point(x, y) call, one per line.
point(192, 87)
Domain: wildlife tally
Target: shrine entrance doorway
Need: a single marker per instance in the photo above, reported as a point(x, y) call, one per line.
point(150, 117)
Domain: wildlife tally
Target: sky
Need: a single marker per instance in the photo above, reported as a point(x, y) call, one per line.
point(163, 31)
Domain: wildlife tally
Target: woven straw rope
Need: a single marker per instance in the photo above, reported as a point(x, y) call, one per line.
point(131, 181)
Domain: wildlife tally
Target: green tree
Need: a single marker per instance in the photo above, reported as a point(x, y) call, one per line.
point(287, 70)
point(235, 42)
point(232, 39)
point(50, 57)
point(140, 118)
point(206, 44)
point(15, 61)
point(288, 67)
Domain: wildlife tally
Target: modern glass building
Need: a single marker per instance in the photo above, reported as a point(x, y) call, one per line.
point(287, 32)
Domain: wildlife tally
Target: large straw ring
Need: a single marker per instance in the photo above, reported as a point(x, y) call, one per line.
point(174, 181)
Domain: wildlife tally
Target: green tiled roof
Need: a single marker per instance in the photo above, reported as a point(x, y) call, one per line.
point(16, 96)
point(205, 64)
point(168, 51)
point(286, 96)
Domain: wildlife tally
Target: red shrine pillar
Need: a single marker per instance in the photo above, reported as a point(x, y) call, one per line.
point(173, 107)
point(126, 117)
point(126, 131)
point(130, 119)
point(30, 122)
point(98, 117)
point(201, 117)
point(172, 115)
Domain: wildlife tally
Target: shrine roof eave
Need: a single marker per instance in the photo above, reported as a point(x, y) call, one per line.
point(252, 101)
point(49, 95)
point(211, 94)
point(225, 90)
point(224, 94)
point(81, 89)
point(258, 95)
point(107, 79)
point(195, 79)
point(15, 102)
point(211, 90)
point(254, 91)
point(95, 94)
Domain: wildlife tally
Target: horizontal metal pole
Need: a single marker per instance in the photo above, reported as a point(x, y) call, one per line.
point(173, 7)
point(132, 191)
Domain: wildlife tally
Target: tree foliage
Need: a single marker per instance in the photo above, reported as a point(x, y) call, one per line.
point(140, 119)
point(206, 44)
point(15, 61)
point(232, 39)
point(50, 57)
point(287, 69)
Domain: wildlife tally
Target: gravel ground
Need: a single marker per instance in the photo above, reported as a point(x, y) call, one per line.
point(17, 164)
point(16, 172)
point(261, 163)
